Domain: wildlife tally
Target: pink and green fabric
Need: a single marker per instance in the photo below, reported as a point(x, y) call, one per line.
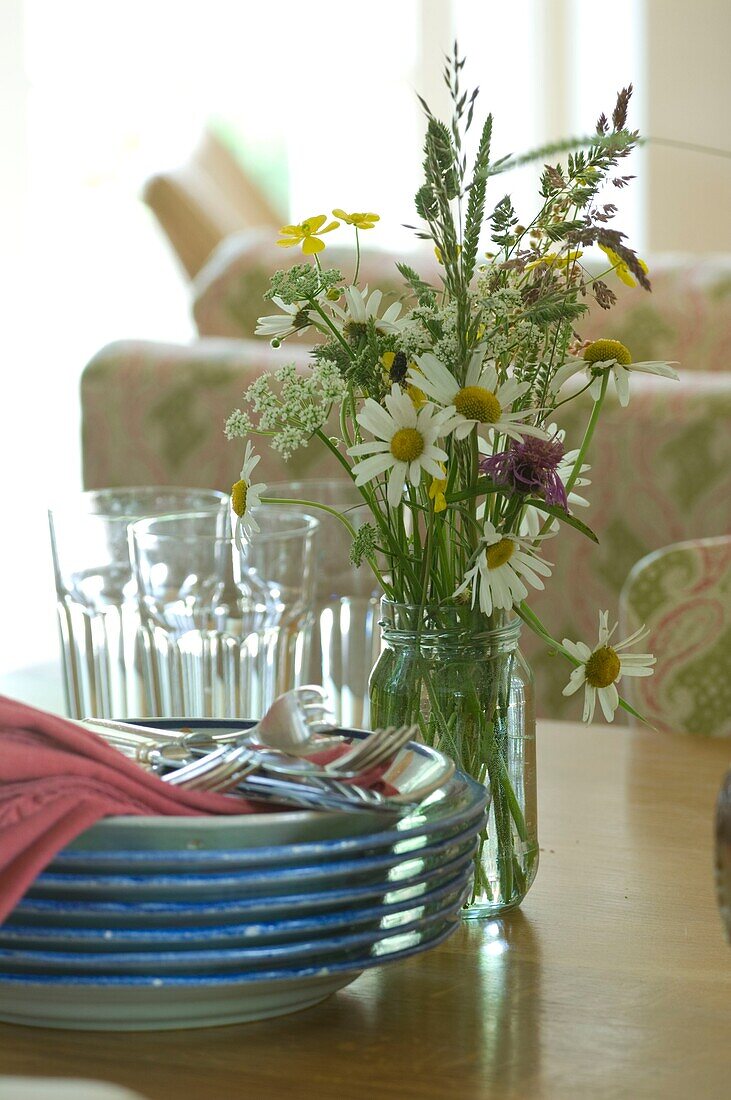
point(683, 594)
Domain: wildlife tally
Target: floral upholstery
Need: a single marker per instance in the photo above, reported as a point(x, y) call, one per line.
point(154, 413)
point(683, 593)
point(687, 317)
point(661, 472)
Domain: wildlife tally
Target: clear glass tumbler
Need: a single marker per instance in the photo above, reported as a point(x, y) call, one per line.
point(97, 595)
point(346, 637)
point(226, 627)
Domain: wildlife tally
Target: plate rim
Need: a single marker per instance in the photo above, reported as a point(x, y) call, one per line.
point(214, 981)
point(69, 856)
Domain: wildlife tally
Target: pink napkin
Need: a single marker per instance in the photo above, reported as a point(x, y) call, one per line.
point(57, 779)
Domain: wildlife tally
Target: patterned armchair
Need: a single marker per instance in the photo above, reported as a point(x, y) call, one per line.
point(662, 467)
point(683, 593)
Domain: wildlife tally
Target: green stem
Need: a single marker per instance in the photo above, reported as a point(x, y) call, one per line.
point(588, 434)
point(335, 331)
point(357, 257)
point(338, 515)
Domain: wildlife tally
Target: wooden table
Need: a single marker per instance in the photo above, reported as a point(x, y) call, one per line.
point(613, 980)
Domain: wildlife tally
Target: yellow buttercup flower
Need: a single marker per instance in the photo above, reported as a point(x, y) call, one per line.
point(620, 267)
point(553, 259)
point(418, 397)
point(436, 490)
point(307, 233)
point(438, 253)
point(360, 221)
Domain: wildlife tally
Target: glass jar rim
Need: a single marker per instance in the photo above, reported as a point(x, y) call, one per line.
point(468, 620)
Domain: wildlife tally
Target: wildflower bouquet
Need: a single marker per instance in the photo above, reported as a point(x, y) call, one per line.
point(440, 408)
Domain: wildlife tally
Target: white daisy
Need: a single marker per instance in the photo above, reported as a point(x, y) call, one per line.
point(360, 307)
point(405, 441)
point(480, 400)
point(613, 356)
point(245, 496)
point(604, 666)
point(280, 325)
point(502, 566)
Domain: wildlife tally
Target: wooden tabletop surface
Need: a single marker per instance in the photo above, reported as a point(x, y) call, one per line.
point(614, 980)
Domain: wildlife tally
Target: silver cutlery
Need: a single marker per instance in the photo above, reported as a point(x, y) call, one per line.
point(292, 724)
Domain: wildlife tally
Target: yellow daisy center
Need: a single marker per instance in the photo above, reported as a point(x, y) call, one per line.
point(499, 553)
point(407, 444)
point(477, 403)
point(238, 497)
point(600, 350)
point(603, 667)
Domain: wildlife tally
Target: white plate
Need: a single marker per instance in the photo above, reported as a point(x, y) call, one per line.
point(413, 766)
point(149, 1004)
point(445, 813)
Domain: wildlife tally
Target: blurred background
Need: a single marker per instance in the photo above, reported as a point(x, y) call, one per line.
point(316, 103)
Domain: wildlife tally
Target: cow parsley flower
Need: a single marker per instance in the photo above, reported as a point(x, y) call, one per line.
point(405, 442)
point(601, 668)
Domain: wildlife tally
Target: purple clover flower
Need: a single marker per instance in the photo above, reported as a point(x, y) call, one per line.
point(530, 466)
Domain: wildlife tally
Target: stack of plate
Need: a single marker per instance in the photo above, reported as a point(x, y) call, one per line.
point(193, 922)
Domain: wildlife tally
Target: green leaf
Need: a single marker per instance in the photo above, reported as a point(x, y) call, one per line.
point(564, 517)
point(635, 713)
point(476, 202)
point(483, 487)
point(423, 291)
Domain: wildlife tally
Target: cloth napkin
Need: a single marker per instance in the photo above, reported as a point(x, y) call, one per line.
point(57, 779)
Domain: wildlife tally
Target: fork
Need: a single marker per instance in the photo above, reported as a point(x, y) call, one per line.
point(291, 724)
point(232, 765)
point(219, 770)
point(365, 755)
point(223, 768)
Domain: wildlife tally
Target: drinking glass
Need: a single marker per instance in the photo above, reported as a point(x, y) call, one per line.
point(226, 625)
point(97, 597)
point(346, 636)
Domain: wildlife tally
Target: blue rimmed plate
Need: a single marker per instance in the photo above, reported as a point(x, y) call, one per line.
point(256, 882)
point(444, 814)
point(144, 1003)
point(156, 914)
point(191, 961)
point(227, 936)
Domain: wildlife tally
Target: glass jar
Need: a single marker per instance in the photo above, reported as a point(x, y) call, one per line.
point(461, 677)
